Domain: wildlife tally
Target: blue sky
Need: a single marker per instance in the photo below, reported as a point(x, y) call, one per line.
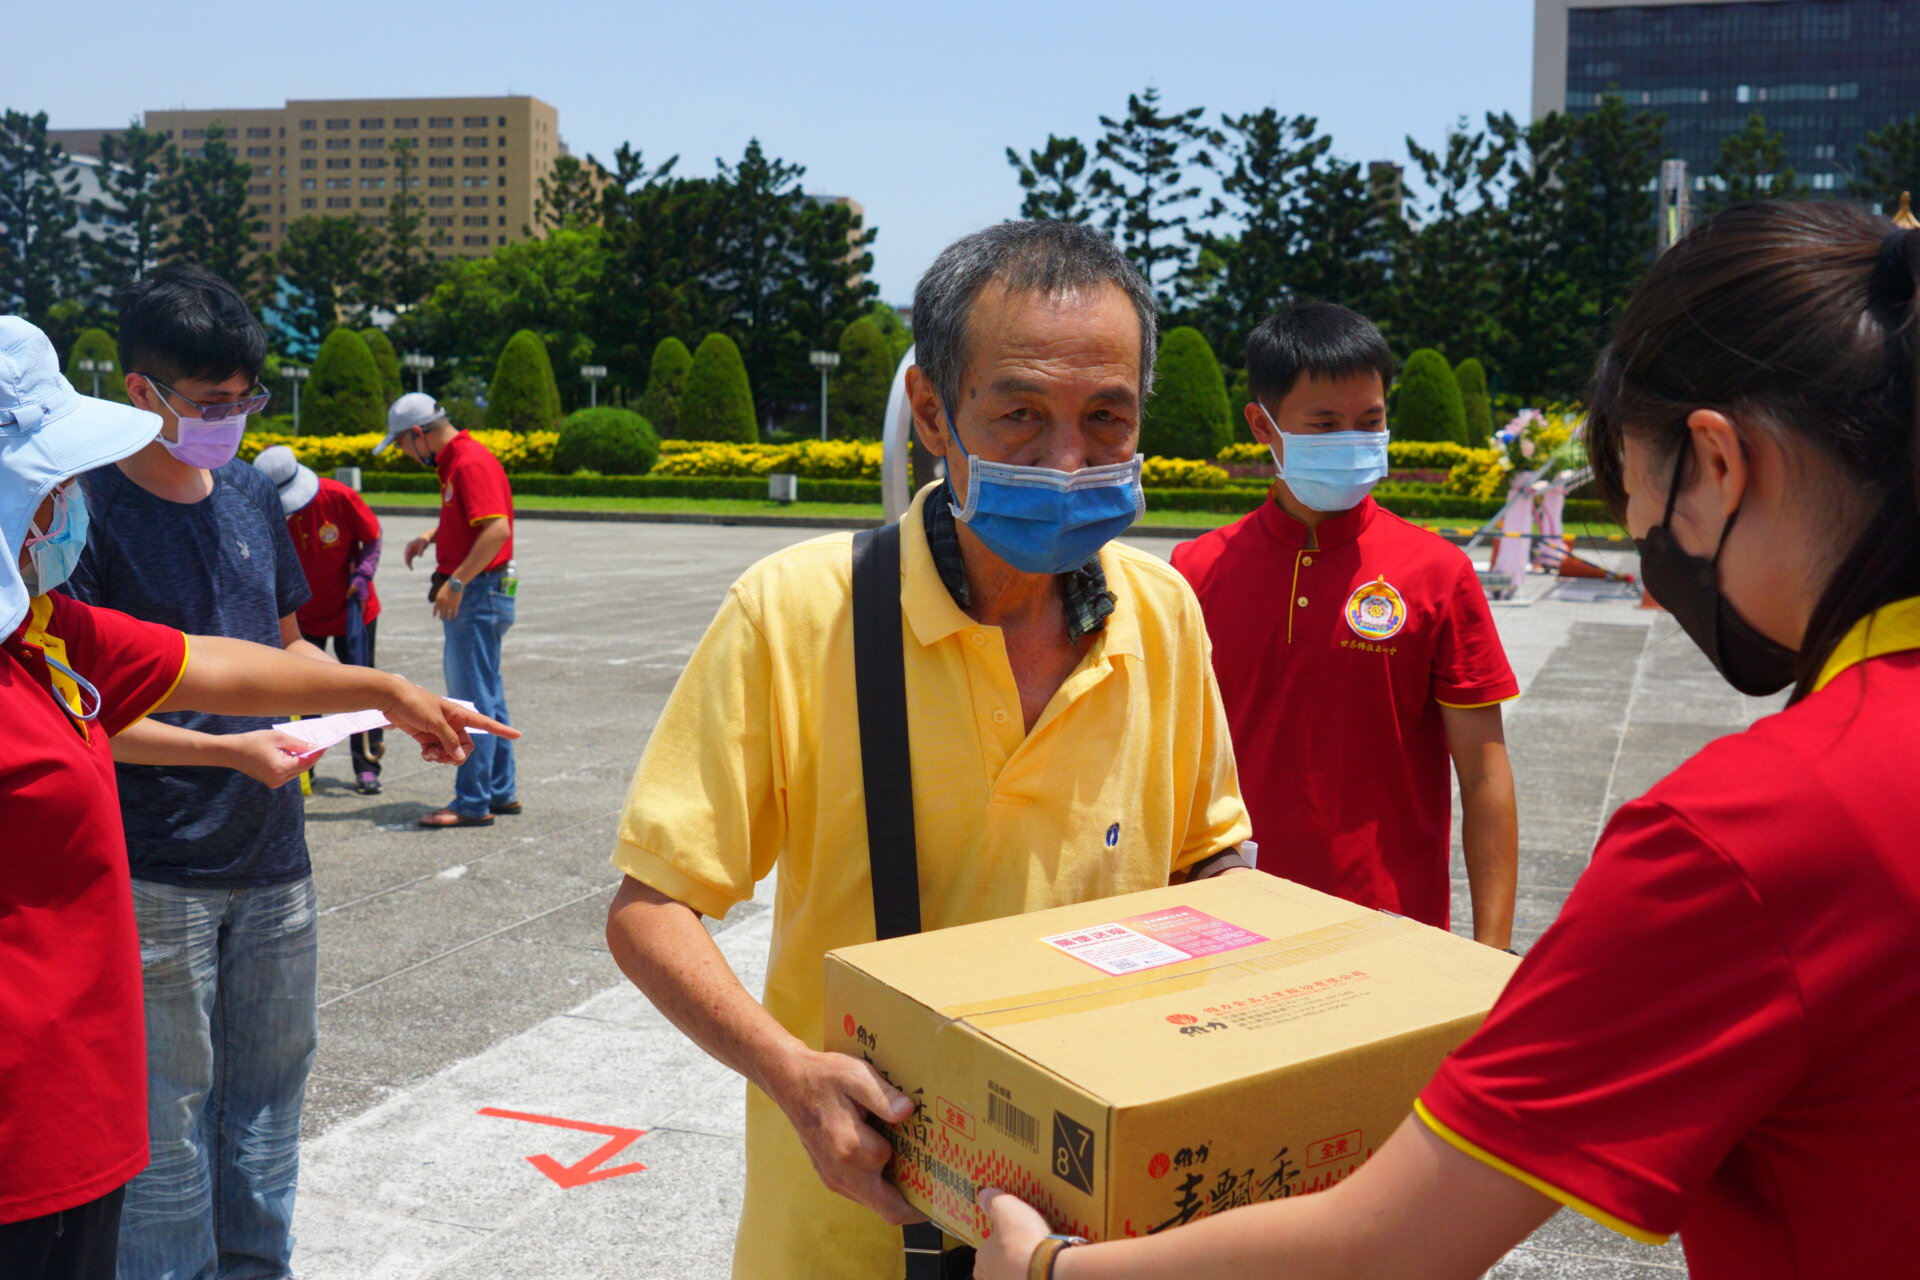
point(907, 108)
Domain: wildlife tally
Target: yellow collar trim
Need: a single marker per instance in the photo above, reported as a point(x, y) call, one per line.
point(54, 647)
point(1892, 628)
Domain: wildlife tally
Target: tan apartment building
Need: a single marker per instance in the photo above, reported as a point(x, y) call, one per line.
point(479, 162)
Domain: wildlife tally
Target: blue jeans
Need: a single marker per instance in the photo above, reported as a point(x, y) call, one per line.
point(232, 985)
point(471, 663)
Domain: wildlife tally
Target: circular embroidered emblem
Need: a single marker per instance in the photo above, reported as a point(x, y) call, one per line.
point(1375, 610)
point(329, 533)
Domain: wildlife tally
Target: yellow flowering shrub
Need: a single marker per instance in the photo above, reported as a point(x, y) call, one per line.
point(1245, 452)
point(810, 459)
point(1181, 473)
point(518, 451)
point(1481, 474)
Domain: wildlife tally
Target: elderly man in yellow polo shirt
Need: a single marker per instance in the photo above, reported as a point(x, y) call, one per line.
point(1068, 741)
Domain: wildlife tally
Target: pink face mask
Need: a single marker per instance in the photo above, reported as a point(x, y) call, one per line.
point(207, 444)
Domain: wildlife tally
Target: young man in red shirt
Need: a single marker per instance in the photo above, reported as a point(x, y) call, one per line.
point(73, 1064)
point(1355, 652)
point(472, 592)
point(337, 538)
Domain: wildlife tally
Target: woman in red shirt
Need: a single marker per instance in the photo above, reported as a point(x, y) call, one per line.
point(1720, 1036)
point(73, 1110)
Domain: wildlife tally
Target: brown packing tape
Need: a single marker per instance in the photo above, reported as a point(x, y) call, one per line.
point(1264, 957)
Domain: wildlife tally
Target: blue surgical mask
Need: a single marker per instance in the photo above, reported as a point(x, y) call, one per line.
point(51, 555)
point(1040, 520)
point(1332, 471)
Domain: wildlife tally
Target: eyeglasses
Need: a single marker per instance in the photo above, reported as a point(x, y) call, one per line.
point(249, 404)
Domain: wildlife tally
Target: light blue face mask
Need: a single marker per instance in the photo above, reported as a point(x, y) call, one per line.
point(1332, 471)
point(52, 555)
point(1040, 520)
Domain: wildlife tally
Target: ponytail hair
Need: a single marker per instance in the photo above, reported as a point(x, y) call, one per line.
point(1797, 317)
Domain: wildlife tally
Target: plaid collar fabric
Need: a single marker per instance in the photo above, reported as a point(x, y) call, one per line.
point(1089, 603)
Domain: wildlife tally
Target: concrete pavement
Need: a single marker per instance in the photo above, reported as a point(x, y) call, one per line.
point(463, 971)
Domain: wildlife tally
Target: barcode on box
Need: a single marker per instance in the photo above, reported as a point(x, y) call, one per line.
point(1013, 1122)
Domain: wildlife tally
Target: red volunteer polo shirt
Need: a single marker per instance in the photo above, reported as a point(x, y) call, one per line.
point(328, 534)
point(1720, 1036)
point(1334, 664)
point(473, 487)
point(73, 1121)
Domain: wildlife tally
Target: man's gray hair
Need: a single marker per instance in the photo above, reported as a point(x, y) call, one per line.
point(1051, 258)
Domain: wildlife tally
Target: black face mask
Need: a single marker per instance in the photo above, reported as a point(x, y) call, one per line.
point(1688, 587)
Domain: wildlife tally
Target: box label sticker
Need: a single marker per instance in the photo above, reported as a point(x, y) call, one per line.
point(1072, 1152)
point(1137, 943)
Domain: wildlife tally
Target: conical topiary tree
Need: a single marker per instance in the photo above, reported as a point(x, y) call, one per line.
point(666, 384)
point(858, 402)
point(95, 345)
point(1428, 406)
point(386, 360)
point(344, 395)
point(1476, 402)
point(523, 395)
point(719, 403)
point(1239, 396)
point(1187, 416)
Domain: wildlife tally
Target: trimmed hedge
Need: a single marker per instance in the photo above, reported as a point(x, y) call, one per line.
point(718, 404)
point(1187, 415)
point(1428, 406)
point(857, 404)
point(1475, 402)
point(666, 384)
point(96, 344)
point(1227, 501)
point(608, 440)
point(523, 395)
point(344, 396)
point(386, 360)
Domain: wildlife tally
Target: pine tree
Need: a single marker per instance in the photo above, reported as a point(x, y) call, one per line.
point(407, 270)
point(1889, 165)
point(569, 194)
point(386, 360)
point(1055, 180)
point(1187, 415)
point(1150, 205)
point(324, 265)
point(1609, 184)
point(1428, 405)
point(211, 224)
point(1753, 166)
point(523, 395)
point(96, 345)
point(39, 208)
point(857, 407)
point(134, 165)
point(343, 396)
point(666, 385)
point(1475, 402)
point(1543, 339)
point(719, 400)
point(1442, 284)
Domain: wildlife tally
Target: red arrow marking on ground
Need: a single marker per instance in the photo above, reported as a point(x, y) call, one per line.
point(587, 1170)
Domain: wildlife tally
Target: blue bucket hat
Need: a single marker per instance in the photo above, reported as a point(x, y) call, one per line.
point(49, 433)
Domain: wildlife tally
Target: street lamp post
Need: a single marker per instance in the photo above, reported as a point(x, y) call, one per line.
point(593, 373)
point(825, 362)
point(420, 364)
point(296, 374)
point(96, 368)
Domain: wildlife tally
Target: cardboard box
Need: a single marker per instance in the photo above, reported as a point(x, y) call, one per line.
point(1132, 1064)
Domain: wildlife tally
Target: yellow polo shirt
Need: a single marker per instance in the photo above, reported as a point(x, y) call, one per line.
point(1126, 778)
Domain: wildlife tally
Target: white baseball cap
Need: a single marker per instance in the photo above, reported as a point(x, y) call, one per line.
point(298, 484)
point(414, 409)
point(49, 433)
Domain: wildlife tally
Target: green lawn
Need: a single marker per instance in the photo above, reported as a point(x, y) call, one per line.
point(760, 507)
